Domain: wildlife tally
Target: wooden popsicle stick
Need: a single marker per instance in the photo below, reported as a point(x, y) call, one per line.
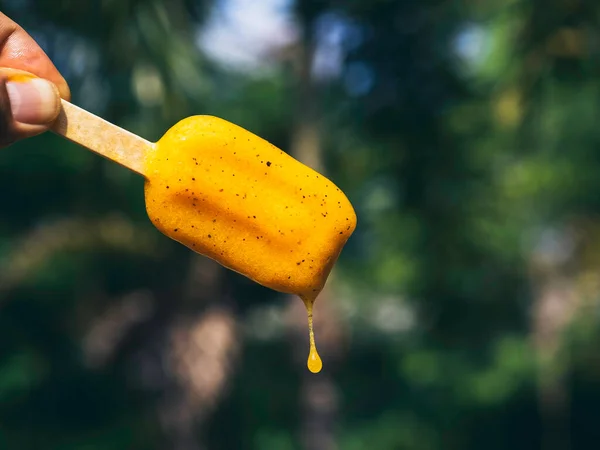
point(102, 137)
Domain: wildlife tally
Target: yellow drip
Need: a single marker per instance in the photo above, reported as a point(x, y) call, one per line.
point(314, 362)
point(233, 197)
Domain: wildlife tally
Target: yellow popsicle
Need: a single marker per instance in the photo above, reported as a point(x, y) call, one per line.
point(232, 196)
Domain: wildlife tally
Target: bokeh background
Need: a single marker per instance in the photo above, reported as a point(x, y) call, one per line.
point(464, 312)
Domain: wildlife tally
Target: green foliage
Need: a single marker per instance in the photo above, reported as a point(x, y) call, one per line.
point(470, 152)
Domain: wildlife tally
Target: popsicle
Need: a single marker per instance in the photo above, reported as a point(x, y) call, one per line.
point(229, 195)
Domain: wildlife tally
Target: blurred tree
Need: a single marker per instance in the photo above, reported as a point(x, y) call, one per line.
point(469, 289)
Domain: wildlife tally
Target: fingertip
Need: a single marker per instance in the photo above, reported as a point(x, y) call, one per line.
point(11, 129)
point(20, 52)
point(63, 89)
point(33, 102)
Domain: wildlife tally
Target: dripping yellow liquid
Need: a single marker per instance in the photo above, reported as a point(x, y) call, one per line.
point(234, 197)
point(314, 362)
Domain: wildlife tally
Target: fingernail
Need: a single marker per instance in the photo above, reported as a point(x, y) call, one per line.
point(34, 102)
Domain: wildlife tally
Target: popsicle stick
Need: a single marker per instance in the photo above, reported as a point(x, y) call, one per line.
point(102, 137)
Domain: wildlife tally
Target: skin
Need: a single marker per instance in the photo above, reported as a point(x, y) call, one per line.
point(19, 53)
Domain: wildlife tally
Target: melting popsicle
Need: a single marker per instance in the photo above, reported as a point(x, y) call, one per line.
point(233, 197)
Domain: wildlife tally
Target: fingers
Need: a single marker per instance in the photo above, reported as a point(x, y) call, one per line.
point(19, 51)
point(28, 104)
point(27, 107)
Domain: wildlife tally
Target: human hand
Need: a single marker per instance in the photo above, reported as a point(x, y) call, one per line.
point(28, 105)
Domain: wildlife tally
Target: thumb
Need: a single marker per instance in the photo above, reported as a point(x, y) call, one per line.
point(28, 105)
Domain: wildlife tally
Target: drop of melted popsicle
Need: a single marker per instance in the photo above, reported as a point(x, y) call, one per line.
point(314, 362)
point(231, 196)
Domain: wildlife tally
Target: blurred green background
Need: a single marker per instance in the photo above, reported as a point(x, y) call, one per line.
point(464, 312)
